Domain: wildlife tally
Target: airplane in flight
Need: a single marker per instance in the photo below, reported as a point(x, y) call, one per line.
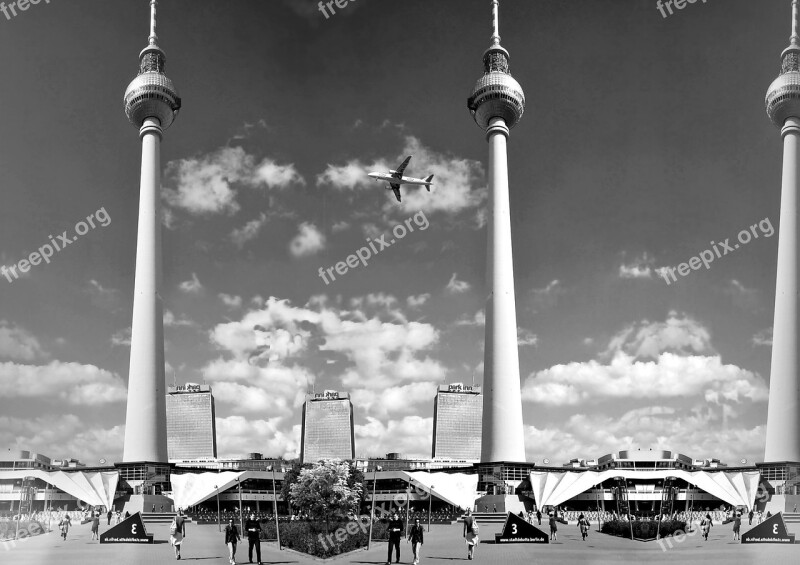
point(396, 178)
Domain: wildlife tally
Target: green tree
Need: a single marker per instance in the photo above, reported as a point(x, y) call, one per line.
point(326, 491)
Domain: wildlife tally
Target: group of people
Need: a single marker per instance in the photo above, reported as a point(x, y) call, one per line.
point(233, 537)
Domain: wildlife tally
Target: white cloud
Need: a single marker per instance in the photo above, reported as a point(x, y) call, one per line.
point(59, 436)
point(231, 301)
point(204, 185)
point(681, 335)
point(101, 296)
point(249, 231)
point(191, 286)
point(639, 268)
point(170, 320)
point(18, 344)
point(526, 337)
point(410, 436)
point(237, 436)
point(418, 300)
point(404, 399)
point(478, 320)
point(547, 297)
point(122, 337)
point(763, 337)
point(669, 376)
point(741, 296)
point(308, 241)
point(340, 226)
point(73, 383)
point(455, 286)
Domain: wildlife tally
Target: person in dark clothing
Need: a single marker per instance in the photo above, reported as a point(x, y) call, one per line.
point(253, 529)
point(539, 516)
point(231, 539)
point(395, 534)
point(750, 516)
point(415, 536)
point(108, 515)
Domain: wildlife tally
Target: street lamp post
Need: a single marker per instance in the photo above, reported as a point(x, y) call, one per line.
point(19, 510)
point(275, 507)
point(372, 512)
point(239, 485)
point(219, 519)
point(430, 506)
point(408, 505)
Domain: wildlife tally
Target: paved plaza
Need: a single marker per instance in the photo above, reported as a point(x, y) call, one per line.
point(444, 545)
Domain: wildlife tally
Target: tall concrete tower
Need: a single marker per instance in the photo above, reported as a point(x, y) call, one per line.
point(497, 103)
point(783, 417)
point(151, 104)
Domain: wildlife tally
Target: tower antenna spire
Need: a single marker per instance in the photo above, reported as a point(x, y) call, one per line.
point(795, 39)
point(496, 22)
point(153, 38)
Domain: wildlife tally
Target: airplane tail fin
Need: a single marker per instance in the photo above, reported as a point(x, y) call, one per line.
point(428, 182)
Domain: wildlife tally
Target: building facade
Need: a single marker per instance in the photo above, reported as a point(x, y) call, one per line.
point(457, 418)
point(191, 428)
point(327, 427)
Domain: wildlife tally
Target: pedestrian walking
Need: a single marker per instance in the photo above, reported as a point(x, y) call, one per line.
point(553, 527)
point(416, 537)
point(96, 526)
point(750, 516)
point(539, 516)
point(108, 515)
point(494, 507)
point(253, 529)
point(395, 533)
point(231, 539)
point(471, 530)
point(154, 508)
point(737, 524)
point(583, 524)
point(177, 532)
point(64, 525)
point(705, 525)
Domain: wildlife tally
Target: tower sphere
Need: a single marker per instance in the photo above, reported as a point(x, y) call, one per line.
point(496, 95)
point(783, 98)
point(151, 95)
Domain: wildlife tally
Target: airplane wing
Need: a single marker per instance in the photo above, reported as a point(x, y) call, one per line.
point(399, 172)
point(396, 189)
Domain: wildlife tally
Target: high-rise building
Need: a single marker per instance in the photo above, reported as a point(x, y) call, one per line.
point(151, 104)
point(497, 103)
point(191, 426)
point(327, 427)
point(783, 413)
point(457, 416)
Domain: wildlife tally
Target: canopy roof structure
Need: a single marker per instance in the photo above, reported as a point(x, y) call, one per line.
point(193, 488)
point(737, 488)
point(95, 488)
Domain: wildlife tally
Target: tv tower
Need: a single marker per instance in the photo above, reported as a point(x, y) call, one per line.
point(783, 416)
point(151, 104)
point(497, 103)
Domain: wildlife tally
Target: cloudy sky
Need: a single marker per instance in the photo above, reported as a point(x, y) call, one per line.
point(644, 140)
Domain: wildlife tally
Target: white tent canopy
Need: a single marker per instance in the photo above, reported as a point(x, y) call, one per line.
point(737, 488)
point(458, 489)
point(95, 488)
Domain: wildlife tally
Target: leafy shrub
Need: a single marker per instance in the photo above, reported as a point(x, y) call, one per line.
point(642, 529)
point(311, 536)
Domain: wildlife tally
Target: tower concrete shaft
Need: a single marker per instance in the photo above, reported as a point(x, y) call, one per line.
point(783, 413)
point(146, 420)
point(151, 104)
point(503, 434)
point(497, 103)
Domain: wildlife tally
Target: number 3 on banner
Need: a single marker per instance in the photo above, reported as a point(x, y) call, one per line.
point(775, 529)
point(513, 529)
point(133, 528)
